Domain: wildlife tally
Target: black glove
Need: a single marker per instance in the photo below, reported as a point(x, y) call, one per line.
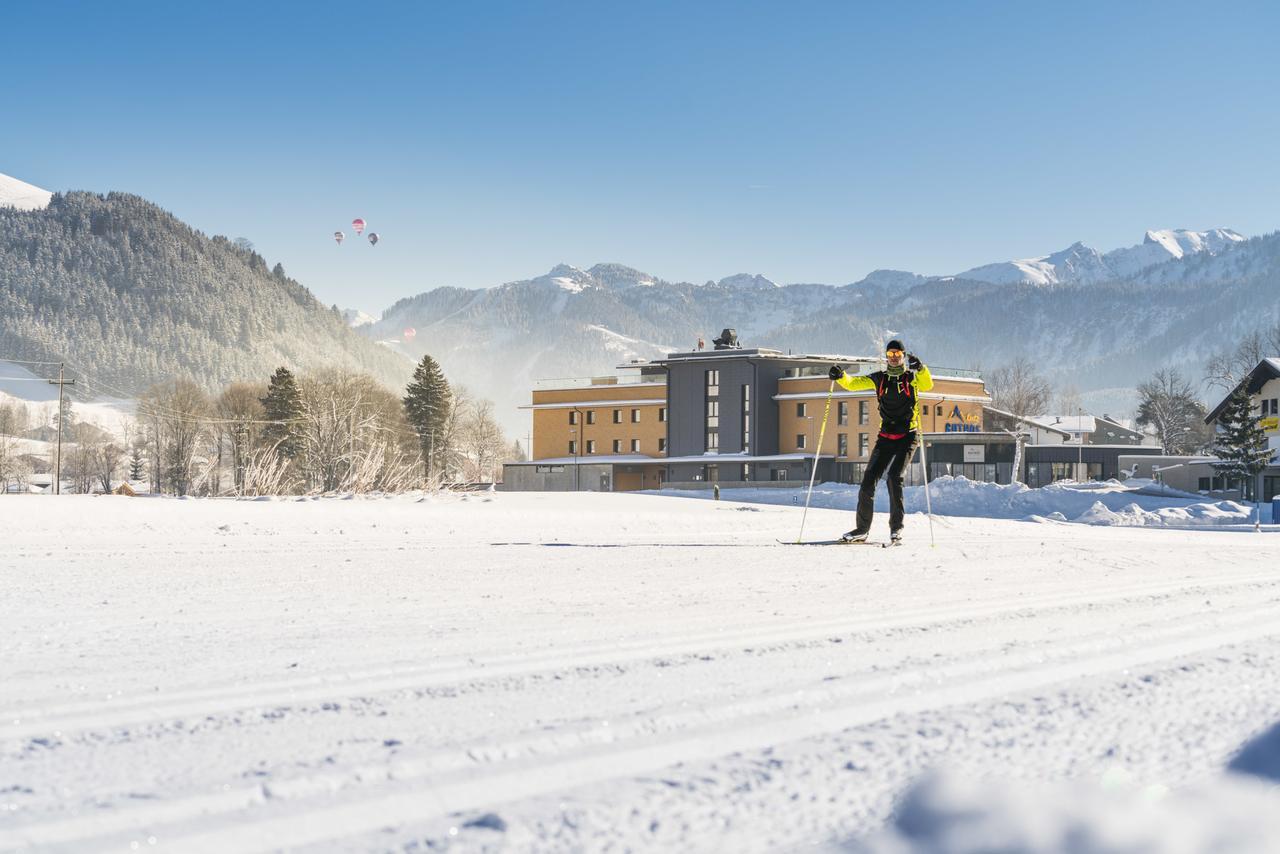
point(836, 372)
point(913, 363)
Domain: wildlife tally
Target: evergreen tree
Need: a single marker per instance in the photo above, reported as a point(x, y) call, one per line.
point(1240, 444)
point(283, 403)
point(135, 463)
point(427, 403)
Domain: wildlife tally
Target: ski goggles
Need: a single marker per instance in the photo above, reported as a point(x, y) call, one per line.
point(892, 353)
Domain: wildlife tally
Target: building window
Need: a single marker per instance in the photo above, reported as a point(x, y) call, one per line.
point(573, 416)
point(635, 446)
point(591, 416)
point(635, 416)
point(617, 446)
point(662, 414)
point(800, 441)
point(937, 410)
point(746, 419)
point(591, 446)
point(842, 413)
point(573, 448)
point(662, 445)
point(802, 410)
point(1205, 484)
point(712, 416)
point(778, 474)
point(842, 444)
point(862, 444)
point(711, 474)
point(862, 412)
point(746, 471)
point(617, 416)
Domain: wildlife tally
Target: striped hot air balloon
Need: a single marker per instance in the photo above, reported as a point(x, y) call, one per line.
point(358, 225)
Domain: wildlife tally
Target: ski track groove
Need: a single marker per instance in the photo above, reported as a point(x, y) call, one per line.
point(714, 729)
point(26, 722)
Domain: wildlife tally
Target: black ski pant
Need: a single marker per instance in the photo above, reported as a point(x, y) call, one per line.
point(889, 456)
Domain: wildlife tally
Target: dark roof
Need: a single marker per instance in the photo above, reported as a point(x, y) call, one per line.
point(1264, 371)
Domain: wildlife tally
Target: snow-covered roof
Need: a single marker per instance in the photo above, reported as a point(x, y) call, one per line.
point(1069, 423)
point(1027, 420)
point(1262, 373)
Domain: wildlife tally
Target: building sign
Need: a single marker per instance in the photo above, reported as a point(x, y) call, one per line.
point(1272, 423)
point(975, 453)
point(958, 422)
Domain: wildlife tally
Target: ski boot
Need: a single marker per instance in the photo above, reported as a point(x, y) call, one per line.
point(853, 537)
point(895, 538)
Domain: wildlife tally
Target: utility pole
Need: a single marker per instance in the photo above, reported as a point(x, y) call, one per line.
point(59, 382)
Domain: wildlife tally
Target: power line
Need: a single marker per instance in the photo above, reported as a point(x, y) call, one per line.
point(26, 361)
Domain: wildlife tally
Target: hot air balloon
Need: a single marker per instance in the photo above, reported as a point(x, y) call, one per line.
point(373, 238)
point(358, 225)
point(338, 235)
point(409, 333)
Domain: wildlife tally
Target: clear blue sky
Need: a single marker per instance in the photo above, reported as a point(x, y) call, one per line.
point(811, 142)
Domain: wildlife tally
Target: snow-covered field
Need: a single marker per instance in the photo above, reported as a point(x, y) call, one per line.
point(592, 672)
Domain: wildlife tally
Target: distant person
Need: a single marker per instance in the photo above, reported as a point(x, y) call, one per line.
point(897, 390)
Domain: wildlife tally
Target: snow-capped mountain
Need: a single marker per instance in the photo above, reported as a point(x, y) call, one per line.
point(355, 317)
point(747, 282)
point(1094, 328)
point(1080, 264)
point(21, 195)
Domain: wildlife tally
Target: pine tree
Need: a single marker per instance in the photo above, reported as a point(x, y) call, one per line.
point(426, 404)
point(283, 403)
point(1240, 444)
point(135, 463)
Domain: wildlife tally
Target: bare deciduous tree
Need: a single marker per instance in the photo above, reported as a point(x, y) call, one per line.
point(240, 404)
point(1169, 405)
point(1022, 391)
point(481, 442)
point(177, 415)
point(1226, 369)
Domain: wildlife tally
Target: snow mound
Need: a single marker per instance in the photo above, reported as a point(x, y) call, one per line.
point(21, 195)
point(943, 814)
point(1106, 503)
point(1260, 757)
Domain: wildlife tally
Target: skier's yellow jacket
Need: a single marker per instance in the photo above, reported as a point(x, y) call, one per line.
point(898, 397)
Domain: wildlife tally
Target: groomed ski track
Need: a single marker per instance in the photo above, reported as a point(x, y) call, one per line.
point(374, 674)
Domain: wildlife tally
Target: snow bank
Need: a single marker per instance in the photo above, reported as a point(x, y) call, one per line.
point(943, 814)
point(1260, 757)
point(1107, 503)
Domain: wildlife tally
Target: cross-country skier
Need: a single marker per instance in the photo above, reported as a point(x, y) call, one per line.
point(897, 390)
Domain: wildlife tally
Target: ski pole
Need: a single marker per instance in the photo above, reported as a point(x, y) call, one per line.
point(924, 467)
point(817, 452)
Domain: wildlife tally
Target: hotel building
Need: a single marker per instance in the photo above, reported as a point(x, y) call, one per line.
point(739, 417)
